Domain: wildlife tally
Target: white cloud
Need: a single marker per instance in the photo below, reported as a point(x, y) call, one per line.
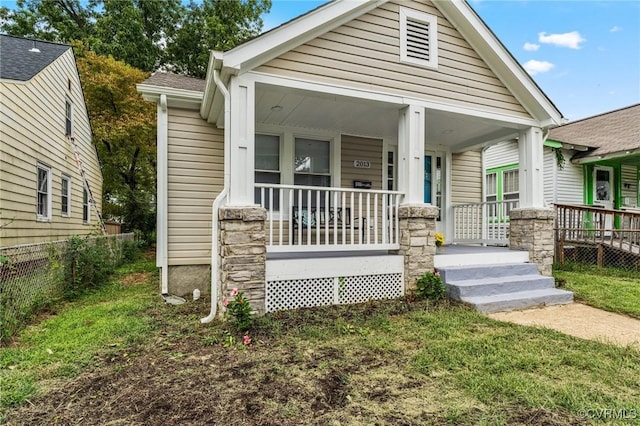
point(615, 29)
point(531, 47)
point(571, 40)
point(534, 67)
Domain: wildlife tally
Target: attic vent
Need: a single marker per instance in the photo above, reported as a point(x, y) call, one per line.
point(418, 38)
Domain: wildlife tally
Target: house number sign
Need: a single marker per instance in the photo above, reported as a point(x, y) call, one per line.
point(362, 164)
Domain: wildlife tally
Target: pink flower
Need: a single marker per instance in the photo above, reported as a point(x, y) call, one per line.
point(226, 302)
point(437, 274)
point(246, 340)
point(234, 292)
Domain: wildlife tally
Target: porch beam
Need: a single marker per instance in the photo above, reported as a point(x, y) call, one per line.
point(242, 142)
point(411, 145)
point(531, 159)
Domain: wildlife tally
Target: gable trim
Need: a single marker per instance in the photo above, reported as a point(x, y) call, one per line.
point(280, 40)
point(501, 61)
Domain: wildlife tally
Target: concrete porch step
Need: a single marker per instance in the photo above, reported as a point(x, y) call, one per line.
point(466, 272)
point(500, 285)
point(519, 300)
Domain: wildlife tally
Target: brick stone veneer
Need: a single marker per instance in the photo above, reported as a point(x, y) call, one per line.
point(532, 230)
point(417, 241)
point(243, 252)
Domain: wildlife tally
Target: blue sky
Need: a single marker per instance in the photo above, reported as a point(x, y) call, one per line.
point(585, 54)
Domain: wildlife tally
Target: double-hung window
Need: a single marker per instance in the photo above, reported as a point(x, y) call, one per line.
point(43, 192)
point(85, 206)
point(65, 196)
point(68, 118)
point(312, 165)
point(267, 164)
point(502, 184)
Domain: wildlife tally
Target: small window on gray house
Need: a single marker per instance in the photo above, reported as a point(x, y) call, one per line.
point(68, 118)
point(43, 192)
point(65, 196)
point(85, 205)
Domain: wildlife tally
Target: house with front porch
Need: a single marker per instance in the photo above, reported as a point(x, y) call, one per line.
point(316, 162)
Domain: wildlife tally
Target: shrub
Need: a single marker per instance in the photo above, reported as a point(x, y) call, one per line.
point(86, 264)
point(430, 286)
point(239, 309)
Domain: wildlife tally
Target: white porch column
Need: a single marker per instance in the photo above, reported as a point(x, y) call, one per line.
point(242, 141)
point(411, 135)
point(531, 180)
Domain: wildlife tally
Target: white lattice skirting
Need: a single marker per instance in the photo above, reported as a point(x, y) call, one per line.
point(298, 283)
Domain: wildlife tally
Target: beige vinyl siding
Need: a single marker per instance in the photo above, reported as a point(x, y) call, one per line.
point(32, 131)
point(365, 54)
point(629, 177)
point(466, 177)
point(195, 178)
point(357, 148)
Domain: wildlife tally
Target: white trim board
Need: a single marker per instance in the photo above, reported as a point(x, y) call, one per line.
point(349, 266)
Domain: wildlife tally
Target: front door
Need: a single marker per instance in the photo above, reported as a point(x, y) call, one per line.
point(434, 184)
point(603, 190)
point(603, 186)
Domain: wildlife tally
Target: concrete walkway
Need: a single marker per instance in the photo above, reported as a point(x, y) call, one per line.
point(581, 321)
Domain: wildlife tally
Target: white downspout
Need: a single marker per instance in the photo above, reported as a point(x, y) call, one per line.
point(217, 203)
point(162, 202)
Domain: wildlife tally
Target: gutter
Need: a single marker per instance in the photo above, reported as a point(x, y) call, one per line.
point(219, 200)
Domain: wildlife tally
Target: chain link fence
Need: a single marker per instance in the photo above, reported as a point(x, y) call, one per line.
point(604, 248)
point(33, 276)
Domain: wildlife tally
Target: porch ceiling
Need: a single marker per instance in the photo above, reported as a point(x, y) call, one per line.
point(326, 112)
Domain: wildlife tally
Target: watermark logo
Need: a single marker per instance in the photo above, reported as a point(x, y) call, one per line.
point(609, 413)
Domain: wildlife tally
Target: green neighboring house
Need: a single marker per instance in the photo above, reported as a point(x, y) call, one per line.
point(611, 162)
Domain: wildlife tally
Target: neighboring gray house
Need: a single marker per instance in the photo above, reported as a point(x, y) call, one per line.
point(42, 194)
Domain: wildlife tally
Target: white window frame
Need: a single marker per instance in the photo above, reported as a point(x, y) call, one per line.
point(431, 20)
point(86, 204)
point(68, 118)
point(66, 179)
point(47, 216)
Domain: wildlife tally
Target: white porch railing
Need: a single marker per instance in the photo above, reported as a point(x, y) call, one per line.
point(312, 218)
point(482, 223)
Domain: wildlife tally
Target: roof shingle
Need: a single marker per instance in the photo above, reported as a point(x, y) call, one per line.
point(610, 132)
point(175, 81)
point(19, 60)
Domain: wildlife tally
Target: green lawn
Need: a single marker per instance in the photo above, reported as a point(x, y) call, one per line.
point(614, 291)
point(121, 356)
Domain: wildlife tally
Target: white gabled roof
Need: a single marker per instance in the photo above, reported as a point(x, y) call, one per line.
point(282, 39)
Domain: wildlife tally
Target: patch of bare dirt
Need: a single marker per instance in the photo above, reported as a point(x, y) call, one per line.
point(135, 278)
point(184, 376)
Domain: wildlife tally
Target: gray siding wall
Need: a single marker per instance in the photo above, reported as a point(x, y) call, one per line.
point(365, 54)
point(195, 177)
point(357, 148)
point(466, 177)
point(32, 131)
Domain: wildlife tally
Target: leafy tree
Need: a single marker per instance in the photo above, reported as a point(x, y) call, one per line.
point(51, 20)
point(212, 25)
point(124, 133)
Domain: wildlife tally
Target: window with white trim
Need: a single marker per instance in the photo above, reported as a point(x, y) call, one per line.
point(43, 192)
point(86, 217)
point(267, 164)
point(312, 165)
point(418, 38)
point(68, 118)
point(65, 196)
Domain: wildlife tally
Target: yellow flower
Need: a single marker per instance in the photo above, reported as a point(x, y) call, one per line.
point(439, 239)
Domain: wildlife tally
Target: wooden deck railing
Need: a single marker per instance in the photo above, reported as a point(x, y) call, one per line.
point(619, 229)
